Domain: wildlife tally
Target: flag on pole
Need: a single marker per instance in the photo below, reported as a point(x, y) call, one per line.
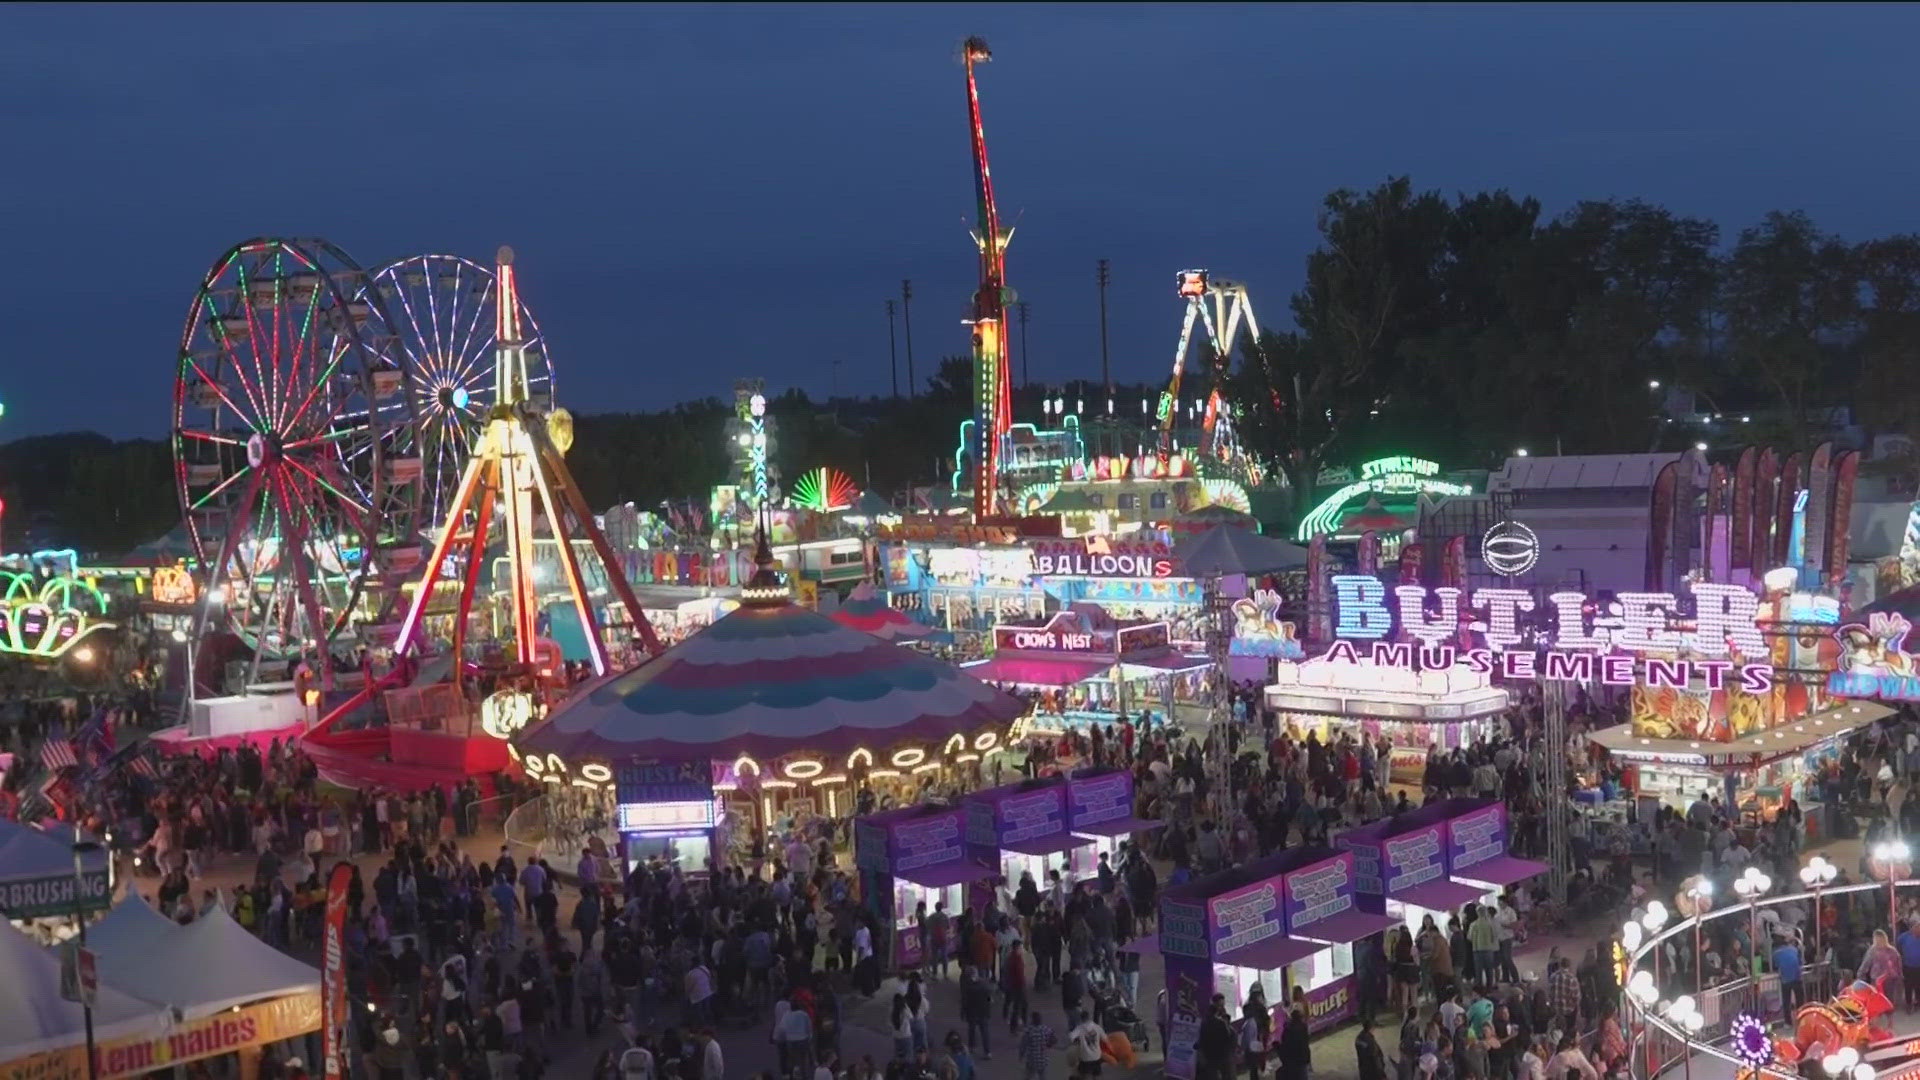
point(57, 753)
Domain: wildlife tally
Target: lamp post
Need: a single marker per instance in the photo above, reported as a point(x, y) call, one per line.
point(1890, 861)
point(1685, 1017)
point(1701, 895)
point(1845, 1064)
point(1653, 919)
point(1751, 886)
point(80, 851)
point(1642, 988)
point(1817, 875)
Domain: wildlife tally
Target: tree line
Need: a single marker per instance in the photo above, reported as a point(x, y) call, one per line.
point(1462, 329)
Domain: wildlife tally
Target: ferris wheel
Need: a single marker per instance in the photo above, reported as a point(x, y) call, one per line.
point(439, 312)
point(293, 442)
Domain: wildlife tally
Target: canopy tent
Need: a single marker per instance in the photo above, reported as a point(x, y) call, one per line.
point(771, 678)
point(34, 1017)
point(1228, 549)
point(1212, 515)
point(132, 927)
point(205, 967)
point(36, 873)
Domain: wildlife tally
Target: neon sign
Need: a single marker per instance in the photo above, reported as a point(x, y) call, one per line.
point(1099, 557)
point(1065, 632)
point(46, 620)
point(1419, 629)
point(1399, 475)
point(1258, 631)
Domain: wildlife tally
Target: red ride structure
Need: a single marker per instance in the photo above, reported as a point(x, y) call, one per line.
point(992, 361)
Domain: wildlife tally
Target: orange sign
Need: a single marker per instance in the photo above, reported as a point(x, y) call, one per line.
point(173, 585)
point(222, 1033)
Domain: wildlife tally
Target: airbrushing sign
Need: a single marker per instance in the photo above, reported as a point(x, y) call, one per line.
point(1366, 865)
point(1476, 837)
point(1245, 917)
point(1318, 892)
point(1412, 859)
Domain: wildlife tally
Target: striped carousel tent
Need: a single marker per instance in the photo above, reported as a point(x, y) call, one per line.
point(865, 609)
point(773, 680)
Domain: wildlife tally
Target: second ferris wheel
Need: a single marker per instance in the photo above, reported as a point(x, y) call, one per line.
point(439, 311)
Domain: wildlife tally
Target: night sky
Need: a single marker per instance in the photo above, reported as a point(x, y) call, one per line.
point(702, 193)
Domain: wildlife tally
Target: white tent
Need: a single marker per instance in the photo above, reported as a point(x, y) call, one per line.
point(208, 965)
point(34, 1018)
point(129, 930)
point(36, 872)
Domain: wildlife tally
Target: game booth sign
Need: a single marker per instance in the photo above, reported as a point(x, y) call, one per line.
point(1100, 811)
point(1433, 860)
point(1286, 923)
point(1082, 652)
point(1023, 828)
point(910, 857)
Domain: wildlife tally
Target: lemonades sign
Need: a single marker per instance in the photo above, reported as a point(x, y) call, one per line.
point(1635, 638)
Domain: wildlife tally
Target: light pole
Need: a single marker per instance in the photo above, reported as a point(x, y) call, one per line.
point(1817, 875)
point(80, 851)
point(1642, 988)
point(1890, 861)
point(1751, 886)
point(1701, 895)
point(1686, 1018)
point(1845, 1064)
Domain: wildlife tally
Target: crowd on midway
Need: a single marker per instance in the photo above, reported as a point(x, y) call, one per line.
point(488, 968)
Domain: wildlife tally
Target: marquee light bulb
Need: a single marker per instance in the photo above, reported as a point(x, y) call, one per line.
point(1503, 607)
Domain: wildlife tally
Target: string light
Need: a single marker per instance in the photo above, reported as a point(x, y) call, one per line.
point(1361, 601)
point(1503, 607)
point(1413, 613)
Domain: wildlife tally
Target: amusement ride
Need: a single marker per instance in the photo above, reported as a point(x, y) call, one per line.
point(1220, 308)
point(992, 360)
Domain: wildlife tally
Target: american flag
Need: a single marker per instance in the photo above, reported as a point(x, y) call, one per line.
point(143, 766)
point(57, 753)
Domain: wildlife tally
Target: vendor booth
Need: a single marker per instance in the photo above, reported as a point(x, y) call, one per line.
point(42, 1034)
point(1286, 923)
point(906, 858)
point(1022, 828)
point(1090, 668)
point(1415, 711)
point(37, 877)
point(1406, 865)
point(1100, 810)
point(665, 809)
point(1477, 849)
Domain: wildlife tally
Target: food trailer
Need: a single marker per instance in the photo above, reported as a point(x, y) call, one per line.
point(1286, 923)
point(1022, 828)
point(908, 857)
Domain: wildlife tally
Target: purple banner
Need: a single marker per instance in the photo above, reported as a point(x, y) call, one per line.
point(870, 846)
point(1366, 865)
point(1412, 858)
point(1329, 1006)
point(1245, 917)
point(1031, 815)
point(1100, 799)
point(1183, 930)
point(983, 832)
point(1319, 892)
point(927, 841)
point(1475, 837)
point(1189, 988)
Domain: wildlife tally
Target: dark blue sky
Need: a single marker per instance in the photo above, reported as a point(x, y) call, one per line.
point(700, 193)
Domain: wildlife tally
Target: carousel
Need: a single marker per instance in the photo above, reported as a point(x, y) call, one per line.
point(768, 718)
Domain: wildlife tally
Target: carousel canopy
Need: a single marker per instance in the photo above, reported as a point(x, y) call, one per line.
point(867, 610)
point(770, 679)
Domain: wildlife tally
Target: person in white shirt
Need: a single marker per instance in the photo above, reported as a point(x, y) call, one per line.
point(1084, 1040)
point(699, 987)
point(862, 943)
point(1570, 1062)
point(713, 1062)
point(1531, 1067)
point(1503, 922)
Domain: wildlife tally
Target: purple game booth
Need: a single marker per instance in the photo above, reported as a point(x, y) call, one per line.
point(1406, 864)
point(906, 858)
point(1287, 923)
point(1100, 809)
point(1022, 828)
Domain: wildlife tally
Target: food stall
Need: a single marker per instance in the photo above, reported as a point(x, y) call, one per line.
point(1477, 848)
point(1091, 668)
point(1022, 828)
point(1400, 865)
point(908, 857)
point(1100, 809)
point(1286, 923)
point(1415, 710)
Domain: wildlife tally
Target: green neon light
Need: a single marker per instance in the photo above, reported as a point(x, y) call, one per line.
point(964, 451)
point(46, 620)
point(1398, 475)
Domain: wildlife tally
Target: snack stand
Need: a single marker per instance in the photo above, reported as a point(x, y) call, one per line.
point(1100, 809)
point(1414, 710)
point(1400, 864)
point(1287, 923)
point(1022, 828)
point(907, 857)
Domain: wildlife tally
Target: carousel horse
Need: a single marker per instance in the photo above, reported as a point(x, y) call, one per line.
point(1847, 1020)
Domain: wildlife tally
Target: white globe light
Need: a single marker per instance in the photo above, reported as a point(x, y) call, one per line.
point(1694, 1022)
point(1630, 936)
point(1831, 1064)
point(1849, 1057)
point(1683, 1004)
point(1809, 874)
point(1900, 851)
point(1863, 1071)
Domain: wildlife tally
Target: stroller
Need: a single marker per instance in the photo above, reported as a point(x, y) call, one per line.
point(1112, 1013)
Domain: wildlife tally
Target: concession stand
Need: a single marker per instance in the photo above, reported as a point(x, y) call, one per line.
point(1022, 828)
point(906, 858)
point(1100, 809)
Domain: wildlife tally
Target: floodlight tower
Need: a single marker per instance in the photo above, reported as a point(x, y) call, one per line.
point(518, 466)
point(1217, 306)
point(992, 387)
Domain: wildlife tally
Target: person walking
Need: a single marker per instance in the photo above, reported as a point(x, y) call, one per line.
point(1035, 1042)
